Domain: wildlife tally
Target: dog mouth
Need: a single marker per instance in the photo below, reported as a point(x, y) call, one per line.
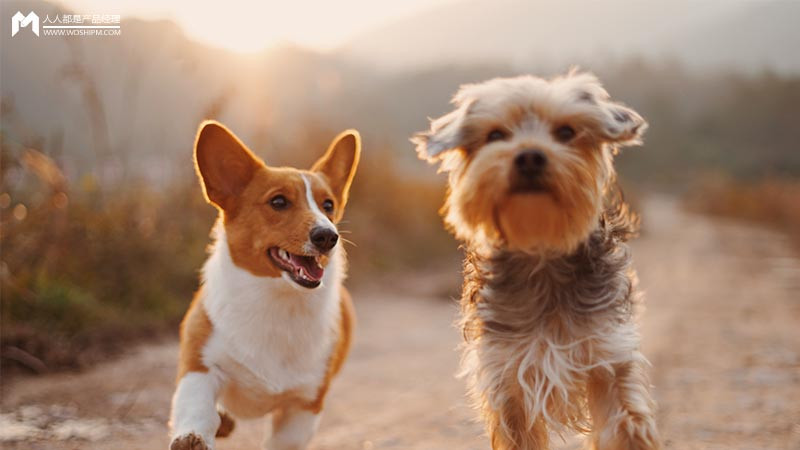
point(304, 270)
point(529, 186)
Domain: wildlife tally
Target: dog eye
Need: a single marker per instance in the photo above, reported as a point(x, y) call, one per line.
point(495, 135)
point(327, 205)
point(279, 202)
point(564, 133)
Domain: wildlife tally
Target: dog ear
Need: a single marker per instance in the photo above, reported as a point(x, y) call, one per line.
point(224, 164)
point(339, 165)
point(610, 121)
point(621, 125)
point(444, 135)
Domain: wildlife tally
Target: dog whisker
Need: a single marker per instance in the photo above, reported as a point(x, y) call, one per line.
point(348, 241)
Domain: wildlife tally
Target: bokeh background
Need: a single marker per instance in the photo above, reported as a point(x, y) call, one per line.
point(104, 228)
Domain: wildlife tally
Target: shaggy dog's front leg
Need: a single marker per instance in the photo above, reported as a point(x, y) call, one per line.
point(622, 410)
point(508, 429)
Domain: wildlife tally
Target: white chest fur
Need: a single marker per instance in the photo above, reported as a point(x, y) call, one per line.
point(281, 332)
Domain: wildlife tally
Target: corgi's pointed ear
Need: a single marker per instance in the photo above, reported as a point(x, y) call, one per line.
point(339, 164)
point(224, 164)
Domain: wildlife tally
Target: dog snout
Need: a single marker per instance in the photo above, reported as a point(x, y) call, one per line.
point(323, 238)
point(530, 163)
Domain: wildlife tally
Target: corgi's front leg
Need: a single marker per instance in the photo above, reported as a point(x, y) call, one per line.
point(194, 417)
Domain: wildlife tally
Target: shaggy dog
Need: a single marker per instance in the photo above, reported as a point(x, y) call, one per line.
point(550, 342)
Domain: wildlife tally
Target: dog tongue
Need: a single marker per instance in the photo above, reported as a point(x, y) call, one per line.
point(309, 265)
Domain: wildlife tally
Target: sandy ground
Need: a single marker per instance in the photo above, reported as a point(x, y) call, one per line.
point(722, 329)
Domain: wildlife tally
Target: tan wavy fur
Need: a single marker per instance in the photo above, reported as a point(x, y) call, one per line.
point(549, 292)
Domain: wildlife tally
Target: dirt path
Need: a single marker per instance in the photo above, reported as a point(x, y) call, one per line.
point(722, 329)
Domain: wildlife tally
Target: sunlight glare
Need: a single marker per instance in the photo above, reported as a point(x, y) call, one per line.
point(246, 26)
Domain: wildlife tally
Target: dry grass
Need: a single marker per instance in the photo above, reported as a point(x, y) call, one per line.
point(774, 202)
point(84, 270)
point(86, 267)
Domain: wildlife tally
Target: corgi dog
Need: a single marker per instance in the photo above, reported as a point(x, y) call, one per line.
point(271, 324)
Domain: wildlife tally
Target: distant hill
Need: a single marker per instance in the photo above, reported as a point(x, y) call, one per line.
point(137, 99)
point(132, 103)
point(745, 36)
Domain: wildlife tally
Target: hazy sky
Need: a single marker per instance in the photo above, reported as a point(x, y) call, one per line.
point(247, 25)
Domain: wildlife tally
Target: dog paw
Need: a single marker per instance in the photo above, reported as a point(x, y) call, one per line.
point(189, 441)
point(226, 425)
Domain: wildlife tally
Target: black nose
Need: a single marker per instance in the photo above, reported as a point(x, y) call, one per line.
point(530, 163)
point(323, 238)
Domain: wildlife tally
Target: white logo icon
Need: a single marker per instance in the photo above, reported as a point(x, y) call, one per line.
point(18, 20)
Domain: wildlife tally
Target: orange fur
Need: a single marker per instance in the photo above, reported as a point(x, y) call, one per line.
point(339, 354)
point(241, 186)
point(338, 168)
point(195, 330)
point(259, 227)
point(482, 206)
point(530, 168)
point(620, 408)
point(226, 425)
point(558, 220)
